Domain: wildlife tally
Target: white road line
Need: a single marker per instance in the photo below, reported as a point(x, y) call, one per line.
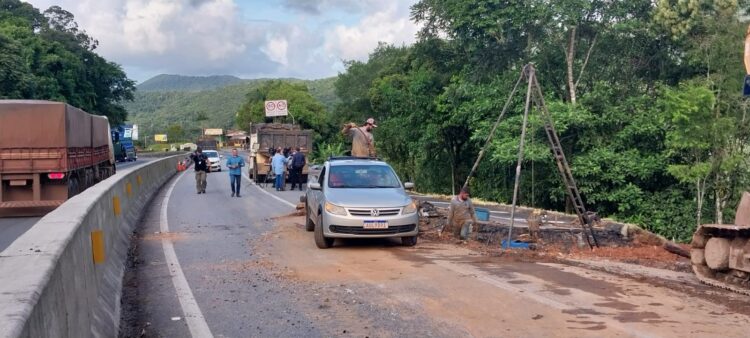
point(268, 193)
point(193, 315)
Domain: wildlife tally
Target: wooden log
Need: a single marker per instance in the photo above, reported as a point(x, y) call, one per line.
point(675, 249)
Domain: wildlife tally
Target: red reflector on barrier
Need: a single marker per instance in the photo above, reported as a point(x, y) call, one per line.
point(56, 176)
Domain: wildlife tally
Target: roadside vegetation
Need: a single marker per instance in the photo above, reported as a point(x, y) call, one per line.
point(46, 56)
point(646, 96)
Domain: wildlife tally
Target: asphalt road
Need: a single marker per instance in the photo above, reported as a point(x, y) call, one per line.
point(13, 227)
point(212, 265)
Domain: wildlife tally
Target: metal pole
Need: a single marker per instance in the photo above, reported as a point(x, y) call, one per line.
point(530, 78)
point(494, 127)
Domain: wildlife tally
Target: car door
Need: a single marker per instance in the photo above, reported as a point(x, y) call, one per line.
point(317, 195)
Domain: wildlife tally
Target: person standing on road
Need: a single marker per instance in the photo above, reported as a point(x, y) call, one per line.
point(363, 143)
point(461, 215)
point(298, 162)
point(201, 170)
point(278, 165)
point(235, 164)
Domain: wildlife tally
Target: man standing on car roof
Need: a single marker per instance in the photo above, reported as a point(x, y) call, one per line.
point(363, 143)
point(235, 164)
point(201, 170)
point(278, 165)
point(461, 215)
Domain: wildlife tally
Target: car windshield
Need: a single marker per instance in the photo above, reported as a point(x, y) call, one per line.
point(362, 176)
point(211, 154)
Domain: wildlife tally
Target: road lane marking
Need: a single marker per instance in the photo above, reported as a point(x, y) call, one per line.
point(193, 315)
point(268, 193)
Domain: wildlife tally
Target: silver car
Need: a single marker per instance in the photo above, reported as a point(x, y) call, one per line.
point(359, 198)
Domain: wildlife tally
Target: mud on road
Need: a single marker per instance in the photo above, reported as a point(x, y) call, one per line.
point(377, 288)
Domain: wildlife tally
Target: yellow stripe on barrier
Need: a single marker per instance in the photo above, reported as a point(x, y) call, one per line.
point(139, 180)
point(116, 206)
point(129, 189)
point(97, 246)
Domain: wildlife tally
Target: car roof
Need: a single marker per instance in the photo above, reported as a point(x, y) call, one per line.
point(355, 161)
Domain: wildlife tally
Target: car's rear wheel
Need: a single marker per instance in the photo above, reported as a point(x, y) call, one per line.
point(409, 241)
point(322, 241)
point(309, 224)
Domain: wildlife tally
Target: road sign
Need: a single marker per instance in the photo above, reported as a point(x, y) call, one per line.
point(160, 137)
point(276, 108)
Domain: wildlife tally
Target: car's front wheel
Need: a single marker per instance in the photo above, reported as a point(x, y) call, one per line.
point(409, 241)
point(321, 240)
point(309, 224)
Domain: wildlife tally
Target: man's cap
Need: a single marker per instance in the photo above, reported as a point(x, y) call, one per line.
point(371, 121)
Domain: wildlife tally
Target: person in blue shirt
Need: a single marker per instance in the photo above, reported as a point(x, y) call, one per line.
point(278, 165)
point(235, 164)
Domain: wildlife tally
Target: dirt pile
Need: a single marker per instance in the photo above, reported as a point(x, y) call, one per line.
point(555, 243)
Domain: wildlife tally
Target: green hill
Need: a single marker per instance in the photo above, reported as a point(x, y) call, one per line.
point(165, 83)
point(156, 109)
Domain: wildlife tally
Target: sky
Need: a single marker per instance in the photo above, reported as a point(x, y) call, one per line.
point(305, 39)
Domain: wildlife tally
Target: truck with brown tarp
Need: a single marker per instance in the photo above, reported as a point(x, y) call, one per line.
point(267, 136)
point(49, 152)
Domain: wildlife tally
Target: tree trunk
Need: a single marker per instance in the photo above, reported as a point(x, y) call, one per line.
point(570, 57)
point(719, 208)
point(700, 192)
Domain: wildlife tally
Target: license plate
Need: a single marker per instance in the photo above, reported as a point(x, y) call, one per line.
point(375, 225)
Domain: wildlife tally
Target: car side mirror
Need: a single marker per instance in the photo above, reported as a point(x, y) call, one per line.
point(314, 186)
point(408, 186)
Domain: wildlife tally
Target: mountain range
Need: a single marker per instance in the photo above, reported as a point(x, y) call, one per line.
point(195, 102)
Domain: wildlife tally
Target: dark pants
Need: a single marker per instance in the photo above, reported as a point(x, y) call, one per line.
point(235, 181)
point(295, 175)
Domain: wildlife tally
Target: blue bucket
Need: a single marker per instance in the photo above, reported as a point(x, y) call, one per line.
point(515, 245)
point(482, 214)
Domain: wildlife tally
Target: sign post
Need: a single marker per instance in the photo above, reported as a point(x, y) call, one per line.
point(275, 108)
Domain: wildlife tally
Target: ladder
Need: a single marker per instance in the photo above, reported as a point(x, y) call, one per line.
point(563, 167)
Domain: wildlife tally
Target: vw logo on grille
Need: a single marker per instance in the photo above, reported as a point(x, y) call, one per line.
point(374, 212)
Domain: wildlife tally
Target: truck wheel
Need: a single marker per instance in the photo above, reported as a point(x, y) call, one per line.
point(73, 186)
point(409, 241)
point(322, 241)
point(309, 224)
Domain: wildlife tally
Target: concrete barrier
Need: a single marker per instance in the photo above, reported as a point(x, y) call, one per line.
point(50, 284)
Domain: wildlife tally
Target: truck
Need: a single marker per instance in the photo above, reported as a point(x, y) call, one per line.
point(267, 136)
point(207, 143)
point(49, 152)
point(122, 140)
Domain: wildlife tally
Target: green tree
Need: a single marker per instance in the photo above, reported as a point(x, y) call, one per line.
point(44, 56)
point(307, 111)
point(175, 133)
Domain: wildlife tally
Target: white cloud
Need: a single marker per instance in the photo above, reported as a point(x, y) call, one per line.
point(204, 37)
point(390, 24)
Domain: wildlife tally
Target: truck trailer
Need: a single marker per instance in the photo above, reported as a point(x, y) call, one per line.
point(49, 152)
point(267, 136)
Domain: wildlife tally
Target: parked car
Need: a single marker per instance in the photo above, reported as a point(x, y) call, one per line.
point(359, 198)
point(214, 159)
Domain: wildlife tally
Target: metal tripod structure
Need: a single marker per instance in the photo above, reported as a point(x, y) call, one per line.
point(534, 93)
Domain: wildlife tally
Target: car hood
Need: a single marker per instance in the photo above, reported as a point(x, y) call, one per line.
point(214, 159)
point(368, 198)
